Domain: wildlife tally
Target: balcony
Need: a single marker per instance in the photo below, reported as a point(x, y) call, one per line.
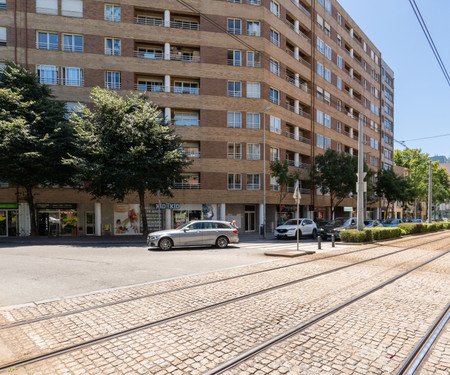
point(159, 22)
point(183, 185)
point(171, 89)
point(253, 187)
point(292, 26)
point(300, 111)
point(299, 138)
point(274, 187)
point(301, 85)
point(301, 7)
point(234, 155)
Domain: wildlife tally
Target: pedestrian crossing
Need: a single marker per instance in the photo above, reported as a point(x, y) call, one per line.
point(279, 245)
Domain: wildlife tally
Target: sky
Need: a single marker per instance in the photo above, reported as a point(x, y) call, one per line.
point(422, 94)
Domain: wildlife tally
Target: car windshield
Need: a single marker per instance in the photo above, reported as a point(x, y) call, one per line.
point(388, 221)
point(184, 225)
point(293, 222)
point(368, 222)
point(348, 222)
point(336, 222)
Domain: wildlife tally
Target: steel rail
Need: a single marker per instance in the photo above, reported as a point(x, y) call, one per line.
point(74, 347)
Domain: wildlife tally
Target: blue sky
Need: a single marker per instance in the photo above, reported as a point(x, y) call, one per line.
point(422, 94)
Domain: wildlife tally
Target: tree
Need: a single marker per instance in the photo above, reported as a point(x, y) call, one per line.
point(34, 135)
point(124, 146)
point(284, 178)
point(392, 187)
point(335, 174)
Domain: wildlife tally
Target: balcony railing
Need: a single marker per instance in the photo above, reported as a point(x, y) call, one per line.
point(183, 185)
point(253, 156)
point(236, 155)
point(292, 26)
point(186, 122)
point(274, 187)
point(193, 154)
point(158, 22)
point(184, 57)
point(254, 2)
point(275, 41)
point(112, 85)
point(72, 82)
point(185, 25)
point(71, 48)
point(300, 112)
point(253, 187)
point(149, 55)
point(275, 100)
point(172, 89)
point(47, 46)
point(300, 85)
point(299, 138)
point(235, 93)
point(234, 62)
point(254, 64)
point(149, 21)
point(234, 186)
point(301, 7)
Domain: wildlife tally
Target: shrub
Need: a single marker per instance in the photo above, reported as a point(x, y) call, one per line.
point(411, 228)
point(386, 233)
point(430, 228)
point(354, 235)
point(446, 225)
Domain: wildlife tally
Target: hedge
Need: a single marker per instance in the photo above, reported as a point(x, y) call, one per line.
point(412, 228)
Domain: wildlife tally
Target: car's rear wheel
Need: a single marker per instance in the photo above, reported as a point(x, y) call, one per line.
point(222, 242)
point(165, 244)
point(314, 234)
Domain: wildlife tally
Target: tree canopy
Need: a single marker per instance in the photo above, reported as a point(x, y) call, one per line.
point(284, 178)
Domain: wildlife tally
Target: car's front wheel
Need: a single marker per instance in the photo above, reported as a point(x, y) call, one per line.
point(222, 242)
point(314, 234)
point(165, 244)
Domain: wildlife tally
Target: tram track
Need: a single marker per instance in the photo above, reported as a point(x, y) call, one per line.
point(189, 313)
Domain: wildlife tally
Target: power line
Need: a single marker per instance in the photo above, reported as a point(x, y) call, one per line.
point(434, 136)
point(424, 27)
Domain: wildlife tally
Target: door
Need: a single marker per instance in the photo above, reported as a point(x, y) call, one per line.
point(43, 223)
point(307, 227)
point(250, 221)
point(191, 235)
point(3, 223)
point(12, 223)
point(90, 223)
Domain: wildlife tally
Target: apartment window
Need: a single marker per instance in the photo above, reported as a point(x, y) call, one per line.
point(234, 181)
point(275, 67)
point(234, 150)
point(339, 83)
point(275, 124)
point(234, 26)
point(327, 97)
point(320, 21)
point(47, 74)
point(253, 28)
point(339, 147)
point(186, 119)
point(339, 41)
point(253, 151)
point(72, 8)
point(253, 59)
point(46, 40)
point(234, 119)
point(339, 18)
point(388, 94)
point(234, 57)
point(72, 43)
point(274, 154)
point(253, 90)
point(253, 182)
point(275, 96)
point(374, 109)
point(319, 69)
point(112, 13)
point(327, 120)
point(320, 45)
point(275, 37)
point(150, 85)
point(113, 80)
point(112, 47)
point(183, 87)
point(327, 29)
point(319, 140)
point(319, 117)
point(319, 91)
point(339, 61)
point(388, 124)
point(2, 4)
point(275, 8)
point(339, 105)
point(188, 181)
point(72, 77)
point(47, 7)
point(328, 51)
point(253, 121)
point(274, 185)
point(73, 107)
point(327, 75)
point(235, 88)
point(328, 6)
point(326, 143)
point(338, 126)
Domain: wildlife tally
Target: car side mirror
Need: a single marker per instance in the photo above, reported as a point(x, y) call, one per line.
point(186, 230)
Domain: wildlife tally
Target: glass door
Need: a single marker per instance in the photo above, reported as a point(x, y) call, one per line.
point(250, 221)
point(13, 223)
point(90, 223)
point(3, 223)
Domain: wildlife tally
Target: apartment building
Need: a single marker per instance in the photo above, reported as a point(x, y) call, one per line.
point(244, 82)
point(387, 116)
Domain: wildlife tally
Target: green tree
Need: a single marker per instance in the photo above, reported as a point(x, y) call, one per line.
point(34, 135)
point(124, 146)
point(335, 174)
point(284, 178)
point(391, 187)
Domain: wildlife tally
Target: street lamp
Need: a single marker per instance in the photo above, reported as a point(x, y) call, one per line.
point(264, 169)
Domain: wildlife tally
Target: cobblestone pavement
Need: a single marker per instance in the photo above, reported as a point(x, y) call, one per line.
point(371, 336)
point(438, 360)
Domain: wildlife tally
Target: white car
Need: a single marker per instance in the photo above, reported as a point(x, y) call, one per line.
point(306, 227)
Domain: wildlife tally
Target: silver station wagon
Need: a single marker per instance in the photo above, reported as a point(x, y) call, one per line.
point(195, 233)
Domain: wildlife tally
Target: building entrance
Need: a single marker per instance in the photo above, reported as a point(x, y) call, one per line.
point(8, 223)
point(250, 219)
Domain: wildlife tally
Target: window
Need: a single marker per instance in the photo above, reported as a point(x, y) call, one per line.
point(234, 88)
point(320, 21)
point(72, 43)
point(72, 8)
point(319, 140)
point(338, 126)
point(253, 182)
point(339, 83)
point(374, 109)
point(47, 6)
point(339, 147)
point(274, 185)
point(388, 94)
point(275, 96)
point(275, 67)
point(186, 119)
point(234, 57)
point(339, 105)
point(388, 124)
point(234, 119)
point(320, 45)
point(150, 85)
point(275, 8)
point(339, 61)
point(327, 143)
point(327, 75)
point(72, 77)
point(253, 151)
point(275, 124)
point(253, 59)
point(112, 13)
point(2, 4)
point(183, 87)
point(234, 181)
point(47, 40)
point(112, 47)
point(253, 121)
point(327, 97)
point(275, 37)
point(320, 69)
point(113, 80)
point(327, 29)
point(253, 28)
point(328, 51)
point(319, 117)
point(339, 19)
point(328, 6)
point(253, 90)
point(73, 107)
point(327, 122)
point(339, 40)
point(47, 74)
point(274, 154)
point(234, 150)
point(234, 26)
point(188, 181)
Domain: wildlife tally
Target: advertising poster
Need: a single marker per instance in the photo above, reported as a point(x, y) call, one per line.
point(126, 219)
point(207, 211)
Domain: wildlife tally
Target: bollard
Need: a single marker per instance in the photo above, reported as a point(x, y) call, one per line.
point(332, 240)
point(319, 243)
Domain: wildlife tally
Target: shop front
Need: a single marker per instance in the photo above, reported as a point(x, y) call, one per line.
point(9, 213)
point(57, 219)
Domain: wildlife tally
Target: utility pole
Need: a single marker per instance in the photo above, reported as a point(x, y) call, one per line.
point(360, 185)
point(430, 191)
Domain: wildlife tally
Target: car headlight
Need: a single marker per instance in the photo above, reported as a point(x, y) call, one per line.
point(150, 237)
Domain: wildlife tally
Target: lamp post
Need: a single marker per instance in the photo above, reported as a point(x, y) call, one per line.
point(264, 169)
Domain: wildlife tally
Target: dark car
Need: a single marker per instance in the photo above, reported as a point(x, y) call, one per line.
point(337, 225)
point(372, 224)
point(391, 222)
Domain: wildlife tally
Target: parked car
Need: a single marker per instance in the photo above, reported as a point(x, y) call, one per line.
point(195, 233)
point(372, 223)
point(413, 221)
point(306, 227)
point(337, 225)
point(391, 222)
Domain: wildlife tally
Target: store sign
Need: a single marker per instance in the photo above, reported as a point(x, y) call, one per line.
point(348, 209)
point(168, 206)
point(56, 206)
point(9, 205)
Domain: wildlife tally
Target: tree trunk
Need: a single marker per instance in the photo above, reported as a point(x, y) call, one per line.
point(30, 200)
point(143, 212)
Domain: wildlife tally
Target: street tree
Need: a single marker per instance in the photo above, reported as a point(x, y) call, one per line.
point(125, 146)
point(34, 135)
point(283, 177)
point(392, 187)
